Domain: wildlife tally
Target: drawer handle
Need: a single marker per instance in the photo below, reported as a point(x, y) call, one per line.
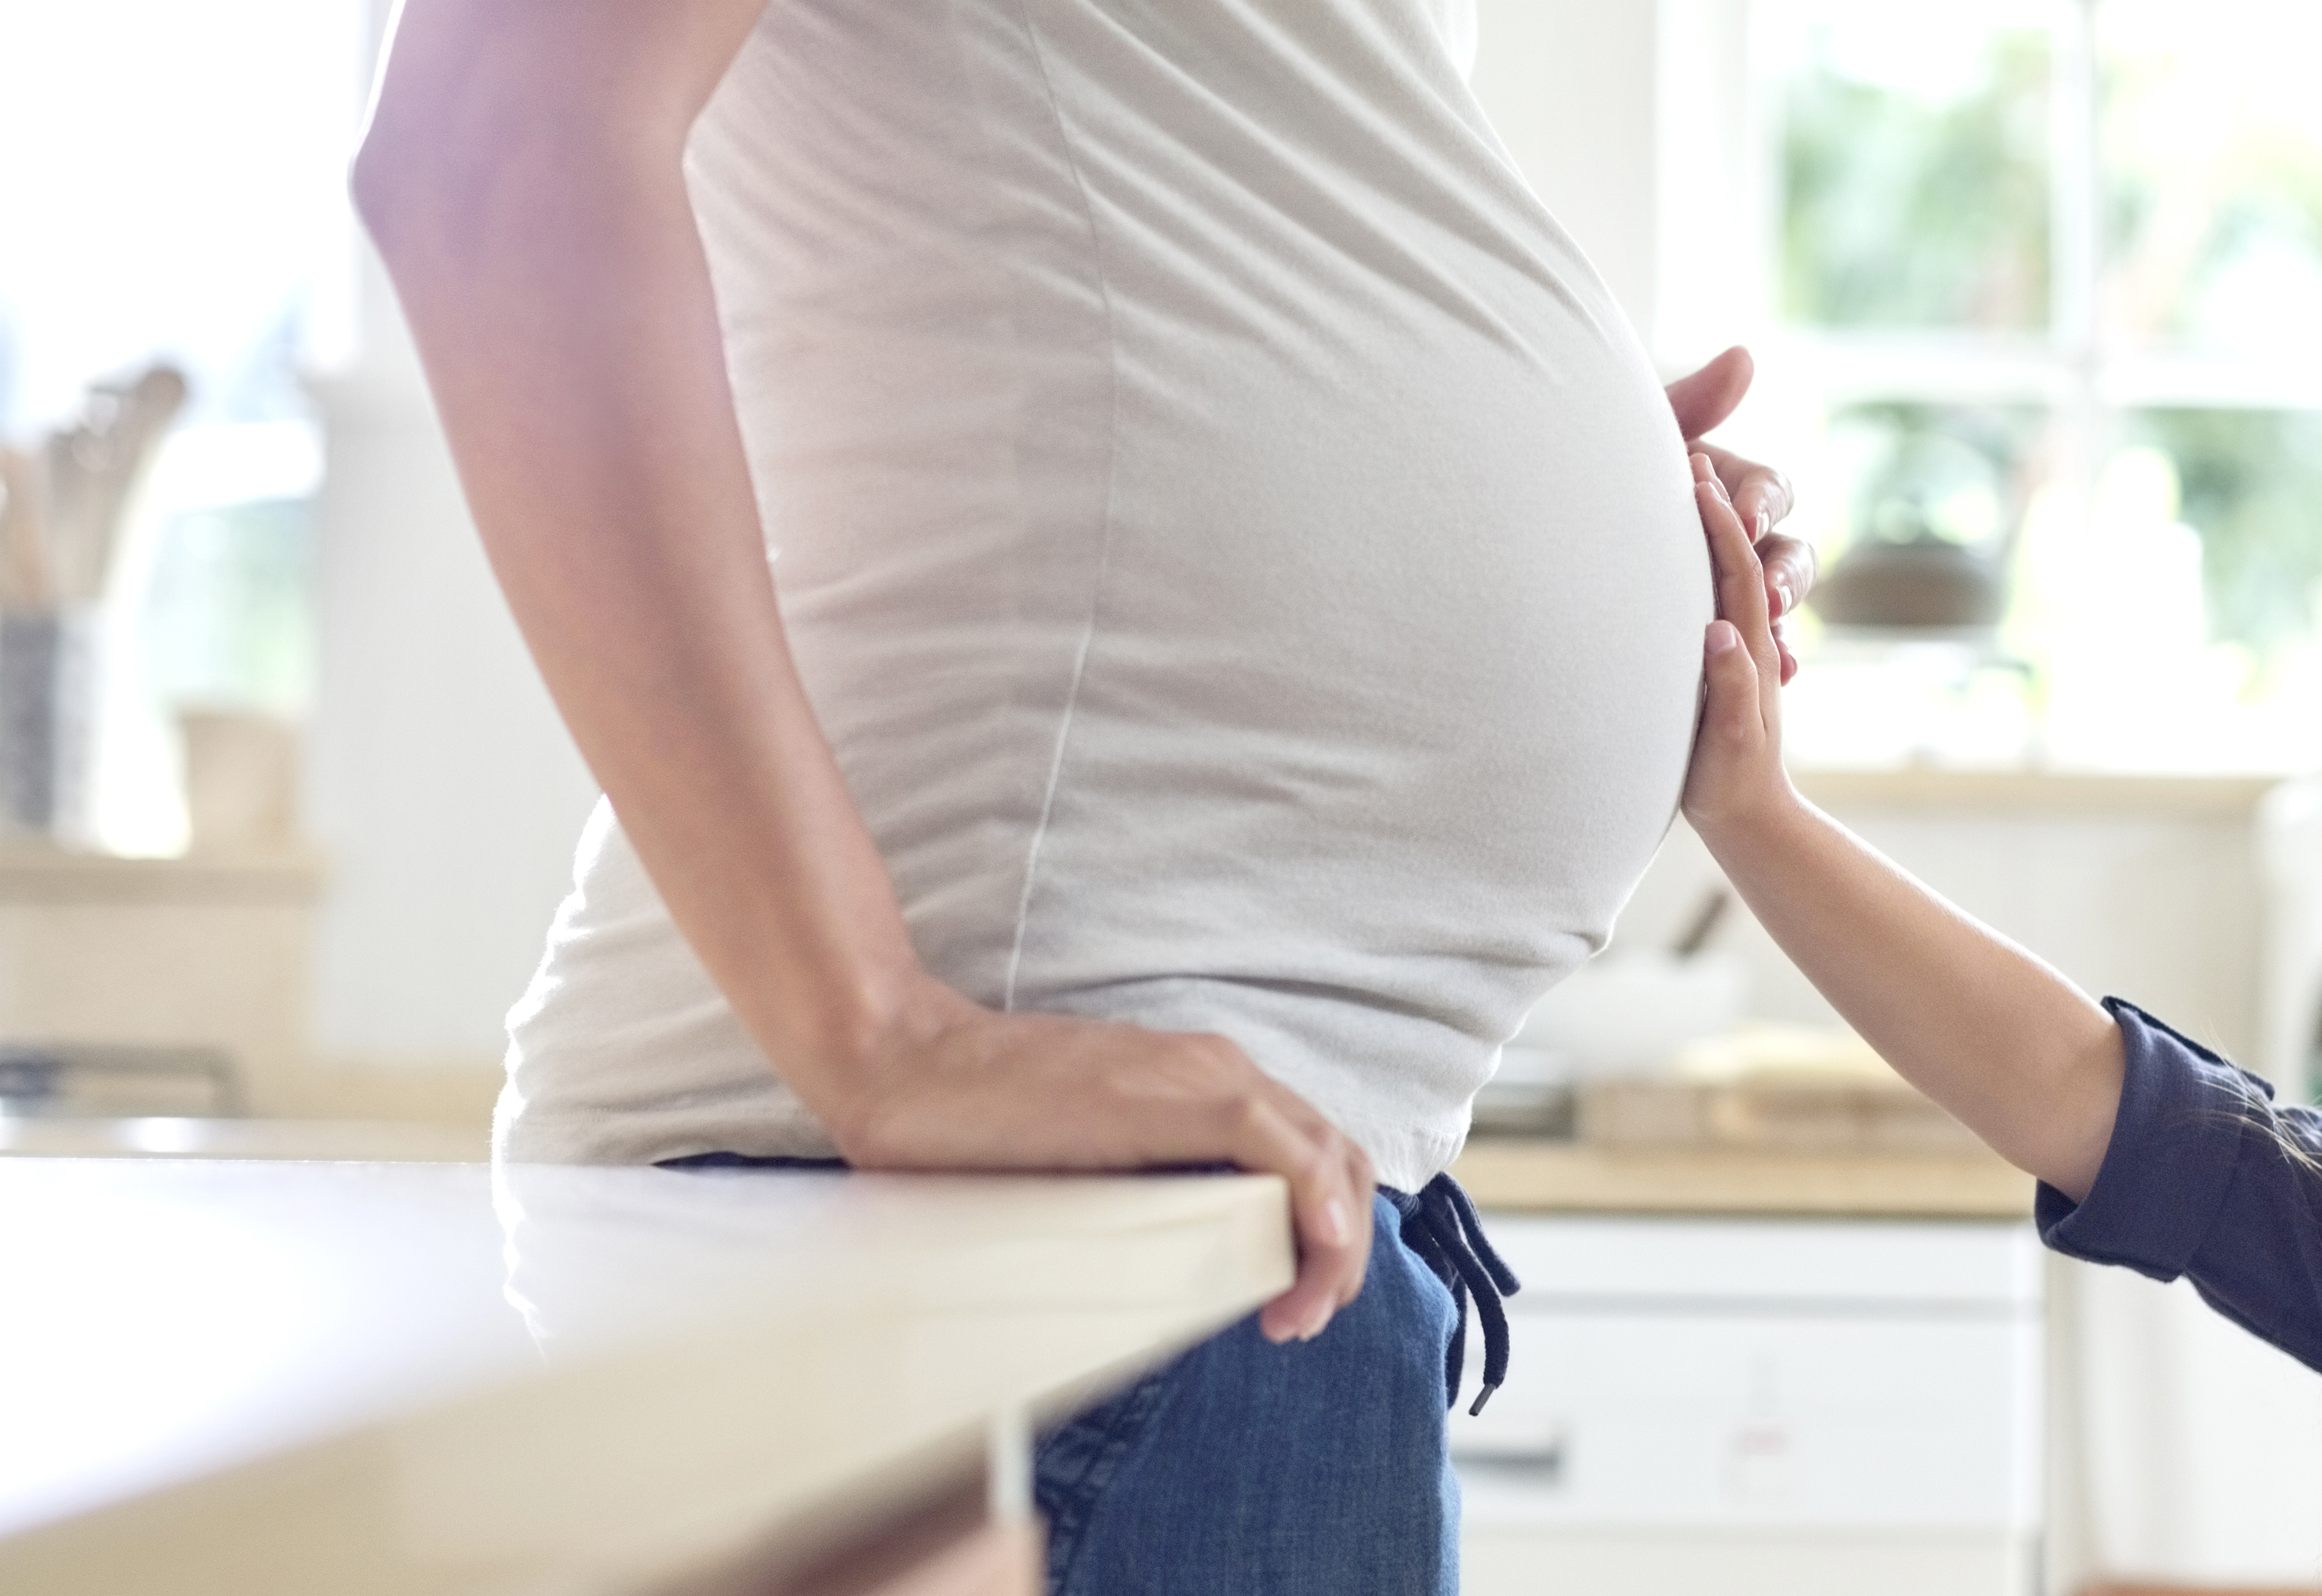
point(1543, 1462)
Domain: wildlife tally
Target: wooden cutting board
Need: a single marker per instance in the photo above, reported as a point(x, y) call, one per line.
point(1773, 1089)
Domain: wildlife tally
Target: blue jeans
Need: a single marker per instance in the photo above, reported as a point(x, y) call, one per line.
point(1247, 1469)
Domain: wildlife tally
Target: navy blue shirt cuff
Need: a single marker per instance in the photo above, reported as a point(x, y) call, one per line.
point(2175, 1148)
point(2206, 1177)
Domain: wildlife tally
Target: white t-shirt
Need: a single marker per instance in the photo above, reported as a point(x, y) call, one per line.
point(1242, 559)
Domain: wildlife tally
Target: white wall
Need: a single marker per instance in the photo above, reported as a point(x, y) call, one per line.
point(1631, 118)
point(1571, 86)
point(440, 780)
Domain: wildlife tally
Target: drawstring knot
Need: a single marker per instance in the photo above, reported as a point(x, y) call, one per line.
point(1440, 1225)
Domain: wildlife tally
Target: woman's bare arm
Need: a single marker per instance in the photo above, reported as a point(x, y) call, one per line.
point(522, 176)
point(2021, 1056)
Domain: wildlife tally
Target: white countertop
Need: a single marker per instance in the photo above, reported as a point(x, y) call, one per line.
point(309, 1377)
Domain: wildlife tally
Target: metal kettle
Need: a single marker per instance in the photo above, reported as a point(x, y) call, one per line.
point(1934, 517)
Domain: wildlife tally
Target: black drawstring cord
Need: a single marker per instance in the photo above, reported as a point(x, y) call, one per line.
point(1440, 1225)
point(1421, 1239)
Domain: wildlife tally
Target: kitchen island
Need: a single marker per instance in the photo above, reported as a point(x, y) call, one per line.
point(298, 1378)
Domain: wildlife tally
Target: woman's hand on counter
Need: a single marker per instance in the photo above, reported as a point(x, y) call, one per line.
point(952, 1085)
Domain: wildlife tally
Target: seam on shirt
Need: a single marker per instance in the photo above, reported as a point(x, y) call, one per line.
point(1104, 522)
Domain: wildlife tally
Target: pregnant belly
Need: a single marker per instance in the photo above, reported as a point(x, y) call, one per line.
point(1446, 610)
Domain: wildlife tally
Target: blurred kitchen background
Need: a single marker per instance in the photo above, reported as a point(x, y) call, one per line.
point(2035, 290)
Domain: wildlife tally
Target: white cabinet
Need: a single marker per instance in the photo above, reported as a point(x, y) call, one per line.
point(1797, 1406)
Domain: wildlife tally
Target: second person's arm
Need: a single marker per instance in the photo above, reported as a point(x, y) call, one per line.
point(2022, 1057)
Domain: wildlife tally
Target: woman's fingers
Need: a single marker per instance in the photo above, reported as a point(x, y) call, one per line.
point(1790, 565)
point(1330, 1210)
point(1228, 1108)
point(1245, 1116)
point(1761, 495)
point(1703, 399)
point(1238, 1113)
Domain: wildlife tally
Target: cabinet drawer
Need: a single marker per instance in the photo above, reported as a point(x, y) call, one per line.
point(1708, 1419)
point(1724, 1374)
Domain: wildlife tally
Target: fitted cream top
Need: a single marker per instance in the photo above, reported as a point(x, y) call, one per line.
point(1238, 550)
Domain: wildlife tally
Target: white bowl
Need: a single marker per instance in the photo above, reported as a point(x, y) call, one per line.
point(1630, 1014)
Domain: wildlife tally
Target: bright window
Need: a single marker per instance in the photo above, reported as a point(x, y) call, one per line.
point(2046, 280)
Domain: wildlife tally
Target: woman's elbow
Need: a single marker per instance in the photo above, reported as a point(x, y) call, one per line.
point(454, 116)
point(489, 109)
point(388, 183)
point(426, 159)
point(444, 182)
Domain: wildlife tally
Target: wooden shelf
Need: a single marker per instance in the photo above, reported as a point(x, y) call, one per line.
point(32, 873)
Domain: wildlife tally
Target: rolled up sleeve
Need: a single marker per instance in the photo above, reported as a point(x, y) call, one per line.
point(2198, 1183)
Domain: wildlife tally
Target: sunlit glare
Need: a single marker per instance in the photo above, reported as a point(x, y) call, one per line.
point(172, 178)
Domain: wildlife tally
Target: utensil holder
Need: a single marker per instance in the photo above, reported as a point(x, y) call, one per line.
point(48, 711)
